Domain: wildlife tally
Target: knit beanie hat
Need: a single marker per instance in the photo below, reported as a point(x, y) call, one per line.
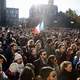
point(17, 56)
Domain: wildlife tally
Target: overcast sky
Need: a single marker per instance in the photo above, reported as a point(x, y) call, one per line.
point(24, 5)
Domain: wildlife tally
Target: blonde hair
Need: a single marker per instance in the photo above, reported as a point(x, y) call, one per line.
point(64, 64)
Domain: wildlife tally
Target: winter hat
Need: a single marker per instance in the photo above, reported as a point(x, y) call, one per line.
point(17, 56)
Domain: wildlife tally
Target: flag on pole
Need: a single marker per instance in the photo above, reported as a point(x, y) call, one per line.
point(38, 28)
point(42, 26)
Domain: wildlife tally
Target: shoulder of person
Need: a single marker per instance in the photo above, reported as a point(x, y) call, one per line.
point(13, 67)
point(36, 61)
point(4, 76)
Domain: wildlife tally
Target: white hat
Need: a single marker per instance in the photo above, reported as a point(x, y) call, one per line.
point(17, 56)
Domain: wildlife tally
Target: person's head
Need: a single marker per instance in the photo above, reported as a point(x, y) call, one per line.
point(43, 54)
point(33, 49)
point(49, 41)
point(30, 65)
point(61, 48)
point(78, 53)
point(69, 50)
point(18, 58)
point(52, 59)
point(27, 74)
point(30, 42)
point(38, 44)
point(56, 43)
point(2, 59)
point(47, 73)
point(13, 46)
point(9, 34)
point(74, 47)
point(66, 66)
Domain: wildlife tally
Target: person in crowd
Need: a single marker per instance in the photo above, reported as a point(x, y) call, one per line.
point(49, 46)
point(16, 67)
point(69, 54)
point(48, 73)
point(38, 47)
point(31, 54)
point(77, 71)
point(30, 43)
point(9, 38)
point(41, 62)
point(60, 42)
point(3, 39)
point(9, 54)
point(74, 48)
point(3, 76)
point(27, 74)
point(52, 62)
point(3, 60)
point(76, 58)
point(30, 65)
point(66, 71)
point(60, 54)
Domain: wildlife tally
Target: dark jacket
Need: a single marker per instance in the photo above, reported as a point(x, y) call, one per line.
point(9, 56)
point(60, 57)
point(38, 65)
point(66, 76)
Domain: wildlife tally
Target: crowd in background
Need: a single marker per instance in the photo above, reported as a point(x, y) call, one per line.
point(52, 54)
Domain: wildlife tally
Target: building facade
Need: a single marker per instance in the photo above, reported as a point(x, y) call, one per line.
point(45, 12)
point(12, 16)
point(8, 16)
point(2, 12)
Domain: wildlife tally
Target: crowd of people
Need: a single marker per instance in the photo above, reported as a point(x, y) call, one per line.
point(52, 54)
